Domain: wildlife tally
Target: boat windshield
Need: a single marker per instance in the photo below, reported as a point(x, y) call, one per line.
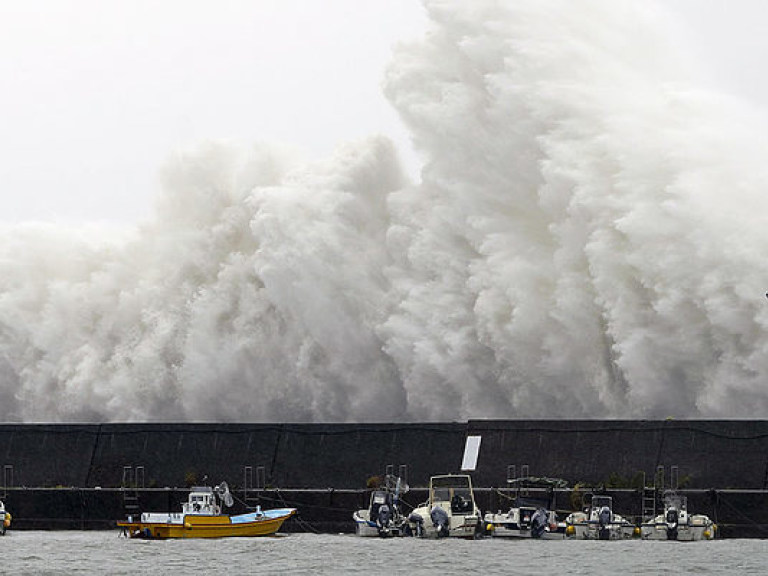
point(676, 501)
point(601, 501)
point(454, 489)
point(451, 482)
point(379, 497)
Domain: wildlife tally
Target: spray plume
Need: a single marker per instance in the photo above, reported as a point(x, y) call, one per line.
point(585, 241)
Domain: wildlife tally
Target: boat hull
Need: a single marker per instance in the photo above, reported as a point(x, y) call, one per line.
point(502, 531)
point(460, 525)
point(368, 529)
point(204, 526)
point(591, 531)
point(508, 526)
point(682, 533)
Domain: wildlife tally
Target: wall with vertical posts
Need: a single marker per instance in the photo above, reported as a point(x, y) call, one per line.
point(86, 475)
point(707, 454)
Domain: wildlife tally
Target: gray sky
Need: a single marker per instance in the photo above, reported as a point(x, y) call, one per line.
point(96, 94)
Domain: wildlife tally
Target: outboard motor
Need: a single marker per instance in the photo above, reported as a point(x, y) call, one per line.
point(603, 522)
point(384, 521)
point(538, 523)
point(440, 521)
point(419, 522)
point(673, 517)
point(525, 518)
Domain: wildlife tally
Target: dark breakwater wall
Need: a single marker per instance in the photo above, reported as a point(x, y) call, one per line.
point(85, 475)
point(174, 455)
point(708, 453)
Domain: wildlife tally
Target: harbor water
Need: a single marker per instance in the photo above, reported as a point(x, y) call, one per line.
point(103, 552)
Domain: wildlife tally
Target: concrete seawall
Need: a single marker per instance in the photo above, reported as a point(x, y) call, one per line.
point(85, 476)
point(707, 453)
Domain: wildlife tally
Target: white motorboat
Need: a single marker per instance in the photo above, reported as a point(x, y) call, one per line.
point(382, 518)
point(599, 522)
point(450, 511)
point(676, 523)
point(532, 514)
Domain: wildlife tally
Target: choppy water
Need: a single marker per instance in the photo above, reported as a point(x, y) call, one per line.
point(104, 553)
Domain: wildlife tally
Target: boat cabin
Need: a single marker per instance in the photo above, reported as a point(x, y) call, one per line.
point(601, 509)
point(380, 498)
point(676, 501)
point(202, 501)
point(452, 491)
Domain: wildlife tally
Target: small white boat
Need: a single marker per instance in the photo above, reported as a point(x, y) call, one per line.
point(5, 519)
point(676, 523)
point(532, 514)
point(382, 518)
point(599, 522)
point(450, 511)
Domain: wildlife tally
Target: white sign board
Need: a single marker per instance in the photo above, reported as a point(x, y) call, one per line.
point(471, 452)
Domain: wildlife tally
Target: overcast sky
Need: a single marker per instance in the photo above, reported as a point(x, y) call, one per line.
point(96, 94)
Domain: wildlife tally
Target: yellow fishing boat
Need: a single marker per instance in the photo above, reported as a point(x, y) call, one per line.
point(201, 517)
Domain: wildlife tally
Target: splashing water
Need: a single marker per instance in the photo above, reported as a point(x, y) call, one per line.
point(585, 241)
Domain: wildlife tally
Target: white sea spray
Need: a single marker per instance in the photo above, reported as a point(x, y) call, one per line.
point(585, 240)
